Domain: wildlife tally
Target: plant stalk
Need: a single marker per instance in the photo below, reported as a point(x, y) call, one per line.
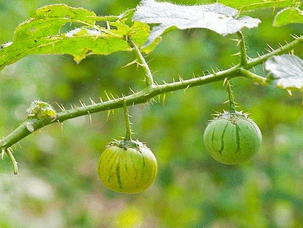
point(231, 99)
point(148, 75)
point(128, 136)
point(242, 46)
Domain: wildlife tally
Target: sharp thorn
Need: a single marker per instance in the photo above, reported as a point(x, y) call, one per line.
point(164, 98)
point(131, 63)
point(212, 69)
point(132, 90)
point(270, 47)
point(90, 117)
point(225, 81)
point(91, 100)
point(61, 126)
point(112, 96)
point(180, 79)
point(107, 25)
point(82, 103)
point(159, 97)
point(2, 153)
point(19, 144)
point(61, 108)
point(106, 95)
point(108, 114)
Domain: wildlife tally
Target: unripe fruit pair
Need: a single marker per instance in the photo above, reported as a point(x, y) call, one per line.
point(232, 138)
point(131, 167)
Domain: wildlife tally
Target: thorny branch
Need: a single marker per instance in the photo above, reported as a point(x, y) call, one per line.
point(144, 96)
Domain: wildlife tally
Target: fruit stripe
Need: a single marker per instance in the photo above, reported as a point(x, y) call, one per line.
point(111, 174)
point(238, 138)
point(213, 137)
point(250, 145)
point(143, 160)
point(125, 166)
point(118, 174)
point(114, 172)
point(243, 136)
point(134, 166)
point(222, 136)
point(254, 128)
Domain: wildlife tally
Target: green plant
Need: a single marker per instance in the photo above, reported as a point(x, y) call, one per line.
point(130, 32)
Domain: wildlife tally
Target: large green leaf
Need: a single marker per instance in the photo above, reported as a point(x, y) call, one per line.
point(288, 15)
point(42, 35)
point(287, 71)
point(216, 17)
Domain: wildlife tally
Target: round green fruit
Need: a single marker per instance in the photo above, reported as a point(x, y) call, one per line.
point(232, 138)
point(127, 166)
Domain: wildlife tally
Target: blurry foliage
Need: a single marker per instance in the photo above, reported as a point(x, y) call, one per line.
point(58, 185)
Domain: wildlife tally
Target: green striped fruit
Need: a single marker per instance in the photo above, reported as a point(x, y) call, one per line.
point(232, 138)
point(128, 167)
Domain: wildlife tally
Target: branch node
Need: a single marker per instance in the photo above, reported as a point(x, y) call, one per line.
point(256, 78)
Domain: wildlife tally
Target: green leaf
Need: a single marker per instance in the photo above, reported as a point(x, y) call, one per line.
point(287, 71)
point(139, 34)
point(49, 19)
point(216, 17)
point(258, 4)
point(78, 43)
point(287, 16)
point(42, 35)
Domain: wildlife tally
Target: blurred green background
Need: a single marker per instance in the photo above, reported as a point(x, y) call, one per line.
point(58, 184)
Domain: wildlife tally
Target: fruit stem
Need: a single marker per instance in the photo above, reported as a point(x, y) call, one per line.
point(232, 104)
point(128, 136)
